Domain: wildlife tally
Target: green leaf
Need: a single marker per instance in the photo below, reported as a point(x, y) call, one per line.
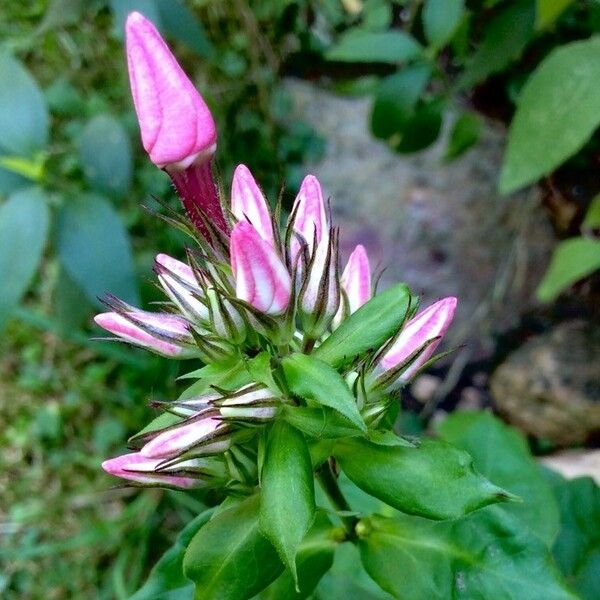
point(180, 23)
point(287, 500)
point(422, 129)
point(61, 13)
point(464, 135)
point(486, 439)
point(577, 547)
point(357, 45)
point(435, 480)
point(504, 40)
point(592, 216)
point(314, 559)
point(24, 117)
point(71, 306)
point(557, 112)
point(319, 423)
point(440, 20)
point(366, 329)
point(24, 219)
point(166, 580)
point(572, 260)
point(395, 100)
point(487, 555)
point(312, 379)
point(11, 181)
point(229, 558)
point(94, 248)
point(105, 155)
point(547, 11)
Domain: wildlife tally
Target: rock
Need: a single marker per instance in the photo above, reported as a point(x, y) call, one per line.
point(575, 463)
point(441, 227)
point(424, 387)
point(550, 386)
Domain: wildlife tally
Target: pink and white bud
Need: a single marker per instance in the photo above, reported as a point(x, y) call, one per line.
point(356, 283)
point(425, 330)
point(226, 320)
point(138, 468)
point(261, 278)
point(248, 203)
point(177, 127)
point(181, 286)
point(250, 403)
point(310, 224)
point(162, 333)
point(204, 434)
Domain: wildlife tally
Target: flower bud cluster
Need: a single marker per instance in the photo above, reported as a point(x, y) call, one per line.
point(246, 290)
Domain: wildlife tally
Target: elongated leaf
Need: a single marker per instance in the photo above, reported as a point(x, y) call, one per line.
point(287, 501)
point(572, 260)
point(440, 20)
point(229, 558)
point(366, 329)
point(577, 547)
point(94, 248)
point(435, 480)
point(487, 555)
point(105, 155)
point(313, 379)
point(547, 11)
point(557, 112)
point(315, 557)
point(319, 423)
point(374, 46)
point(464, 135)
point(505, 38)
point(166, 578)
point(486, 439)
point(180, 23)
point(23, 110)
point(592, 216)
point(24, 219)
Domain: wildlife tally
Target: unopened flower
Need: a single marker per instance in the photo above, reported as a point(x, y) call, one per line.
point(163, 333)
point(356, 283)
point(418, 339)
point(249, 204)
point(261, 277)
point(178, 130)
point(140, 469)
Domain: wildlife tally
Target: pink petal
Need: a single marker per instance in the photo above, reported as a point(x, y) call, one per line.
point(356, 278)
point(310, 219)
point(180, 269)
point(261, 278)
point(175, 122)
point(248, 203)
point(430, 323)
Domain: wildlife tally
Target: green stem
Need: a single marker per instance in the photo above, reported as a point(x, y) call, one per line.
point(330, 486)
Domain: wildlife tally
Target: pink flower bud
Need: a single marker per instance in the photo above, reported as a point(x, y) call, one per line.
point(430, 324)
point(356, 282)
point(181, 286)
point(178, 130)
point(203, 434)
point(261, 278)
point(162, 333)
point(175, 122)
point(138, 468)
point(249, 204)
point(310, 217)
point(250, 403)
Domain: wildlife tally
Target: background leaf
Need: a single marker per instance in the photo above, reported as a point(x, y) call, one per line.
point(24, 220)
point(500, 453)
point(440, 19)
point(180, 23)
point(358, 45)
point(434, 480)
point(572, 260)
point(105, 155)
point(229, 558)
point(552, 121)
point(287, 501)
point(23, 111)
point(121, 8)
point(486, 555)
point(547, 11)
point(464, 134)
point(94, 248)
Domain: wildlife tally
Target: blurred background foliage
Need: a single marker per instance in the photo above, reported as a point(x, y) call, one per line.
point(73, 175)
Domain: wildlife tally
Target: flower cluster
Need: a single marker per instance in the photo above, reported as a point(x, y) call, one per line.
point(249, 295)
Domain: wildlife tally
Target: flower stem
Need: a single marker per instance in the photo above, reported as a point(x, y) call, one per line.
point(330, 486)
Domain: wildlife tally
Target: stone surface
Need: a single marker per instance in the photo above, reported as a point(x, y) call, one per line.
point(550, 386)
point(575, 463)
point(441, 227)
